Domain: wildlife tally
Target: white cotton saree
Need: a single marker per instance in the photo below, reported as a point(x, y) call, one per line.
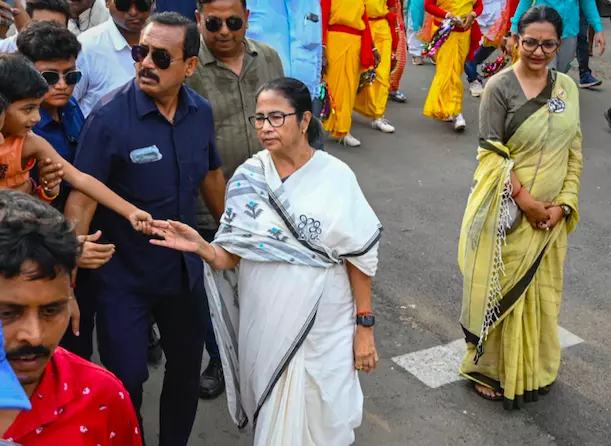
point(284, 319)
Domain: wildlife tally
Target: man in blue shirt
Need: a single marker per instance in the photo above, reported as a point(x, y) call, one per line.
point(184, 7)
point(294, 29)
point(153, 141)
point(54, 50)
point(569, 10)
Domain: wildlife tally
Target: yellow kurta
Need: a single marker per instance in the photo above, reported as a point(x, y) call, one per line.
point(371, 102)
point(446, 92)
point(344, 64)
point(519, 350)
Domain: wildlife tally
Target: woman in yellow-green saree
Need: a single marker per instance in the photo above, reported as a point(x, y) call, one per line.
point(522, 206)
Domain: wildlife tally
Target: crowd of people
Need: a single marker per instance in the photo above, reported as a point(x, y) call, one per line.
point(199, 126)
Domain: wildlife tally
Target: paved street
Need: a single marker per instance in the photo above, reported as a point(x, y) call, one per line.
point(417, 180)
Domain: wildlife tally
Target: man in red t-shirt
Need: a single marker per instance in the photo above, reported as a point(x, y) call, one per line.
point(73, 401)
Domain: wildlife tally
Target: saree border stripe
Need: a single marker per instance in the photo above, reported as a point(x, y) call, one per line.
point(303, 334)
point(370, 244)
point(511, 297)
point(531, 107)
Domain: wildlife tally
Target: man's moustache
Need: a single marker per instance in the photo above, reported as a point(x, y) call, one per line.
point(148, 73)
point(28, 350)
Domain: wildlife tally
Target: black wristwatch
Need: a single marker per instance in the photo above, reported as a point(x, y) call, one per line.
point(366, 320)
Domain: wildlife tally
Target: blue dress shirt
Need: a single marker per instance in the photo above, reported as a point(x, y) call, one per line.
point(63, 136)
point(294, 29)
point(156, 165)
point(185, 7)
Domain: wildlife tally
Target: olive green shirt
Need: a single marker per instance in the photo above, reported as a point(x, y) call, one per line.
point(232, 99)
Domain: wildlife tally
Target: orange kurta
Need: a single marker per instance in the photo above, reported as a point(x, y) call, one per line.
point(12, 172)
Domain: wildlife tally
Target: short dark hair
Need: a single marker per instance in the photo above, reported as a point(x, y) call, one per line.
point(191, 41)
point(31, 230)
point(300, 98)
point(3, 104)
point(19, 78)
point(201, 3)
point(60, 6)
point(541, 14)
point(47, 41)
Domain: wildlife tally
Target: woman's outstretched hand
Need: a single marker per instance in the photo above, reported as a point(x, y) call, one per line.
point(176, 235)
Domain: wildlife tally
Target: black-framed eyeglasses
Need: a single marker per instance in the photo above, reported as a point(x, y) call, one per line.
point(161, 58)
point(141, 5)
point(214, 24)
point(547, 46)
point(275, 119)
point(70, 78)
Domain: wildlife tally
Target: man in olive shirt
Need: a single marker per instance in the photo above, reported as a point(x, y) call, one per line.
point(230, 71)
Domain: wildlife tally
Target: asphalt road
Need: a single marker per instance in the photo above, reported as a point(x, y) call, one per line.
point(418, 180)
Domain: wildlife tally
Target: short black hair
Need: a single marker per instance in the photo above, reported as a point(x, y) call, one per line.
point(47, 41)
point(541, 14)
point(33, 231)
point(3, 104)
point(19, 78)
point(190, 47)
point(201, 3)
point(60, 6)
point(300, 98)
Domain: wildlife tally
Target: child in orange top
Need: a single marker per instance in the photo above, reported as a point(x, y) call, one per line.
point(25, 88)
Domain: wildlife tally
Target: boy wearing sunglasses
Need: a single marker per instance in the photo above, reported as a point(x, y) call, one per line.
point(53, 50)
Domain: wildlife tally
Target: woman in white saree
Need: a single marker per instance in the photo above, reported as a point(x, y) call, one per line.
point(288, 278)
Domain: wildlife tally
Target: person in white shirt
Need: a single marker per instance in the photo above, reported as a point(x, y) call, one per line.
point(105, 60)
point(86, 14)
point(42, 10)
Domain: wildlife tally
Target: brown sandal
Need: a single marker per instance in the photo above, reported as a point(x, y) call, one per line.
point(486, 397)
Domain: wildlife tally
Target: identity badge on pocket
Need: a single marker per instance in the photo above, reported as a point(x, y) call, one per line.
point(149, 154)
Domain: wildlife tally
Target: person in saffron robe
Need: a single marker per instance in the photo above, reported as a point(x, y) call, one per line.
point(348, 51)
point(444, 101)
point(523, 206)
point(371, 101)
point(401, 57)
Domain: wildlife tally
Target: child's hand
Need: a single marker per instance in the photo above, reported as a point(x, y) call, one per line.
point(141, 221)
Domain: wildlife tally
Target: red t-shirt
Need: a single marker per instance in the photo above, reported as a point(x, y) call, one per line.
point(77, 403)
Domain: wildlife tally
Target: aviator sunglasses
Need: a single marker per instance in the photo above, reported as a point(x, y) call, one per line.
point(161, 58)
point(141, 5)
point(70, 78)
point(214, 24)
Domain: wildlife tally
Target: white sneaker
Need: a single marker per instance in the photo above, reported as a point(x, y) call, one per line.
point(476, 88)
point(349, 141)
point(383, 125)
point(460, 124)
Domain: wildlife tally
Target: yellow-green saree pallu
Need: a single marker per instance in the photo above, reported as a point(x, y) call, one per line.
point(513, 281)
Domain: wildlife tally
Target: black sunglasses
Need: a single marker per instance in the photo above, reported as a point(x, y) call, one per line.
point(214, 24)
point(53, 77)
point(141, 5)
point(161, 58)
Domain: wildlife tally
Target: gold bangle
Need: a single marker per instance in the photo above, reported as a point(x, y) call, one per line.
point(46, 197)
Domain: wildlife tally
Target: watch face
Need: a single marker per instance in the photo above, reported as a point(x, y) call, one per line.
point(367, 320)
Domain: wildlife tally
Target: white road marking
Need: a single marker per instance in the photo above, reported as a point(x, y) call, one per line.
point(438, 366)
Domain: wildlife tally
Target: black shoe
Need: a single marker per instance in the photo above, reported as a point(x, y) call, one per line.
point(608, 117)
point(212, 381)
point(155, 353)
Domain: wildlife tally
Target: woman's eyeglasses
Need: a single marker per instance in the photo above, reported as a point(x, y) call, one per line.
point(275, 119)
point(141, 5)
point(161, 58)
point(547, 46)
point(70, 78)
point(214, 24)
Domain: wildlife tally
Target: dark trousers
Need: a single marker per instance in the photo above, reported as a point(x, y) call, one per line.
point(123, 322)
point(482, 53)
point(83, 344)
point(583, 47)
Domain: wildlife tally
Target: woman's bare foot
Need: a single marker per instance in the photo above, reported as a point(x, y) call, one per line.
point(488, 393)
